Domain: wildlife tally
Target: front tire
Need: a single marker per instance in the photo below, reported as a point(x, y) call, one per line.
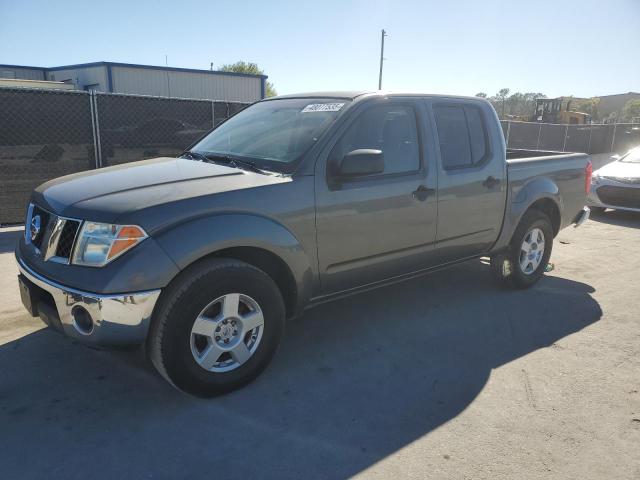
point(216, 327)
point(528, 253)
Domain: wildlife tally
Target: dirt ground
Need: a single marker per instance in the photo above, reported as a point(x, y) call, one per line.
point(448, 376)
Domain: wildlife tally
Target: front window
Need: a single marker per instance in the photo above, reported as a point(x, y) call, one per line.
point(275, 133)
point(389, 128)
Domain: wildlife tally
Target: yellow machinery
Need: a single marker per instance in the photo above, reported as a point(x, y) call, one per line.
point(558, 110)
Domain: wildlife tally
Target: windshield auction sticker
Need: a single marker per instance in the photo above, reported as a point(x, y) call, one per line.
point(322, 107)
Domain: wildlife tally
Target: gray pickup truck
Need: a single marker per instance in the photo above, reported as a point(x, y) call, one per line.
point(294, 201)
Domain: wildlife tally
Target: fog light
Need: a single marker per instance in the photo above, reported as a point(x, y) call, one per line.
point(82, 320)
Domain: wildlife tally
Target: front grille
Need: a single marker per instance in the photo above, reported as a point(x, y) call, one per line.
point(67, 237)
point(45, 218)
point(631, 180)
point(619, 196)
point(52, 236)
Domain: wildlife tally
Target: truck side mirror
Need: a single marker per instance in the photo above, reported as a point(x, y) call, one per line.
point(361, 162)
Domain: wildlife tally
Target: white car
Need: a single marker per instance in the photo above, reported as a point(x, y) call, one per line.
point(617, 184)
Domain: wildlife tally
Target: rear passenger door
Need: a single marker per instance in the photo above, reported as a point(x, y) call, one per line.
point(471, 178)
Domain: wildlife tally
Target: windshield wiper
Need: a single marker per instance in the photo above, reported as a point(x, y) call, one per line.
point(247, 165)
point(194, 155)
point(227, 160)
point(236, 162)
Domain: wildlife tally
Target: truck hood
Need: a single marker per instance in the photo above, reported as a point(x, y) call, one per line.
point(109, 194)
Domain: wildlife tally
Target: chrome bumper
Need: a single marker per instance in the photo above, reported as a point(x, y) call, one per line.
point(115, 320)
point(582, 217)
point(593, 200)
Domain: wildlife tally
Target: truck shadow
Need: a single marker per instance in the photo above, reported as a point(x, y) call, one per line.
point(355, 381)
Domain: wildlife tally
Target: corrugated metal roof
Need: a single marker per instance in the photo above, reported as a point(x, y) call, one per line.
point(136, 65)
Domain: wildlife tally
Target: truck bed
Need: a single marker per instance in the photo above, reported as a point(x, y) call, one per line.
point(564, 170)
point(516, 153)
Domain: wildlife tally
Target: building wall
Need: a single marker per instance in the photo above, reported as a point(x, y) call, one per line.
point(148, 80)
point(20, 82)
point(82, 77)
point(170, 83)
point(25, 73)
point(615, 103)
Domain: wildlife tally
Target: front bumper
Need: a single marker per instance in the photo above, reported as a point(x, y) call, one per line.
point(626, 196)
point(115, 320)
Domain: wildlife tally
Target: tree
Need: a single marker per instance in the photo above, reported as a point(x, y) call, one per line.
point(250, 68)
point(501, 96)
point(523, 104)
point(481, 95)
point(518, 104)
point(630, 110)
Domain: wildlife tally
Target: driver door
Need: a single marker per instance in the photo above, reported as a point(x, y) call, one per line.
point(375, 227)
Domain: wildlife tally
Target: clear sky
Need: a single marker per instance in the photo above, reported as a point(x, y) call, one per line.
point(557, 47)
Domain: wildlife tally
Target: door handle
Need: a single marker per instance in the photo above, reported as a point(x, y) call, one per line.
point(491, 182)
point(422, 193)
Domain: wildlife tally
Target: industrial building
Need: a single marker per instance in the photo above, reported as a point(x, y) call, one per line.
point(147, 80)
point(611, 106)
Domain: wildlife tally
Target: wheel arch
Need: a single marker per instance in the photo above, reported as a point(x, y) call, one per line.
point(269, 263)
point(255, 240)
point(550, 208)
point(540, 195)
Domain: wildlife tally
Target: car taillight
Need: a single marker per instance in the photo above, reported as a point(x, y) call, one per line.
point(588, 173)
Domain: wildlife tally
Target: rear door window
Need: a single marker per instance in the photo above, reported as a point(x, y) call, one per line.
point(462, 136)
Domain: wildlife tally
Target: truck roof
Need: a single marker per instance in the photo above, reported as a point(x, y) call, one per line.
point(348, 94)
point(353, 94)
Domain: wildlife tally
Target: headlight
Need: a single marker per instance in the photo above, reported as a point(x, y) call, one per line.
point(99, 243)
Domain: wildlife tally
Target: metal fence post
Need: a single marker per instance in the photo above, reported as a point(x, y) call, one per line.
point(566, 132)
point(508, 131)
point(589, 144)
point(97, 122)
point(613, 139)
point(93, 129)
point(538, 142)
point(213, 113)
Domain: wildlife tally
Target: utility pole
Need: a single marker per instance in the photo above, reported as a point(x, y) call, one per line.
point(166, 64)
point(383, 34)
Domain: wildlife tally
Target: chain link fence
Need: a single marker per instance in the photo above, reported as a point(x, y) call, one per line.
point(42, 136)
point(45, 134)
point(592, 138)
point(135, 128)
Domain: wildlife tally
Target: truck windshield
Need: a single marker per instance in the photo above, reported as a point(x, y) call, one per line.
point(274, 134)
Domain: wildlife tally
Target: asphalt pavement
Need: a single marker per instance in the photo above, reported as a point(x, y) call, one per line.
point(447, 376)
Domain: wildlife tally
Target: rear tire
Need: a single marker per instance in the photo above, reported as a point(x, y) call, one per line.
point(216, 327)
point(528, 253)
